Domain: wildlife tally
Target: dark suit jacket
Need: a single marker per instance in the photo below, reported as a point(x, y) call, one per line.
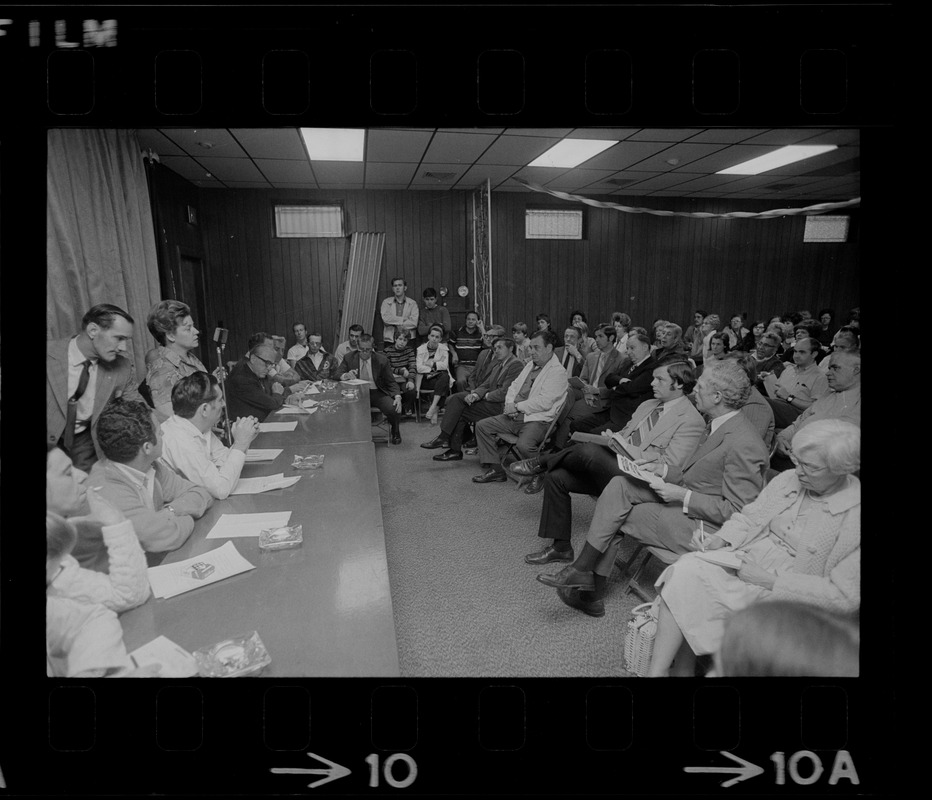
point(117, 379)
point(248, 395)
point(381, 371)
point(626, 397)
point(576, 366)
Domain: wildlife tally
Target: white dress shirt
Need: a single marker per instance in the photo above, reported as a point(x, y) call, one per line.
point(201, 457)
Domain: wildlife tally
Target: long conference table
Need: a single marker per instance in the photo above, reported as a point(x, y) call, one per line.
point(323, 609)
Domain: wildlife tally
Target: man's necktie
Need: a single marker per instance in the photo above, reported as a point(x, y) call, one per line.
point(646, 426)
point(71, 417)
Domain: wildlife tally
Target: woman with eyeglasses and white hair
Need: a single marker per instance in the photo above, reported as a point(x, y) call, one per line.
point(799, 540)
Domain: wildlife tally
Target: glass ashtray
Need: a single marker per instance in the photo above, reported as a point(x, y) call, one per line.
point(281, 538)
point(313, 461)
point(233, 658)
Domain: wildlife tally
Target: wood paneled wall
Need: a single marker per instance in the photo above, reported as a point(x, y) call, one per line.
point(645, 265)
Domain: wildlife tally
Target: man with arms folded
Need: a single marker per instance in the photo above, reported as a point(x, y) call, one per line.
point(486, 400)
point(663, 430)
point(398, 311)
point(722, 475)
point(189, 445)
point(160, 503)
point(532, 402)
point(82, 375)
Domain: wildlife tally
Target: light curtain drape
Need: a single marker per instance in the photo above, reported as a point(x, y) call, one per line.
point(100, 241)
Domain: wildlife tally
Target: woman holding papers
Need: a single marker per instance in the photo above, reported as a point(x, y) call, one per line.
point(800, 540)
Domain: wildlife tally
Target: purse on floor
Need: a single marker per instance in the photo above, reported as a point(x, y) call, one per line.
point(639, 637)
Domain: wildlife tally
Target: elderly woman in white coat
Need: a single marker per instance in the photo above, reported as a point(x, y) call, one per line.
point(800, 540)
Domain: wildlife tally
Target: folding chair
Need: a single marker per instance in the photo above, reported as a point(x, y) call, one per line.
point(631, 575)
point(511, 440)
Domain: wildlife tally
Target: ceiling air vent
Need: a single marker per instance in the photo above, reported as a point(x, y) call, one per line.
point(439, 176)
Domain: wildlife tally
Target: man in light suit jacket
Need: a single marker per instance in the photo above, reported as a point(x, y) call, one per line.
point(664, 430)
point(722, 475)
point(384, 392)
point(96, 358)
point(591, 393)
point(532, 402)
point(570, 356)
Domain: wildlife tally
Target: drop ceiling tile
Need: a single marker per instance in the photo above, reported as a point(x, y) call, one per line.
point(392, 145)
point(457, 148)
point(625, 154)
point(516, 151)
point(155, 140)
point(389, 173)
point(233, 169)
point(336, 172)
point(222, 144)
point(282, 143)
point(575, 179)
point(664, 134)
point(279, 171)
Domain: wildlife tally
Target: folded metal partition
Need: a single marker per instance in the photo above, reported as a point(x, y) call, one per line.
point(360, 283)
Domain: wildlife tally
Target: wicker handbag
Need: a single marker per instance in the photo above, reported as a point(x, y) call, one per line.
point(639, 637)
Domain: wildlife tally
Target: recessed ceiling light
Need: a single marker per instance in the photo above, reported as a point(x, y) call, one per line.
point(778, 158)
point(334, 144)
point(572, 152)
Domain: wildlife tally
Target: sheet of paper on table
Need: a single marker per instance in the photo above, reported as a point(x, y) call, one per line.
point(277, 427)
point(355, 382)
point(724, 558)
point(169, 580)
point(232, 526)
point(264, 483)
point(262, 455)
point(176, 662)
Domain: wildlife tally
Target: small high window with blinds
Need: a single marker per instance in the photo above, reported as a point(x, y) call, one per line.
point(553, 223)
point(303, 222)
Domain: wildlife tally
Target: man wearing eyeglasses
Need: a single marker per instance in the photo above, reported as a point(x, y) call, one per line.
point(250, 390)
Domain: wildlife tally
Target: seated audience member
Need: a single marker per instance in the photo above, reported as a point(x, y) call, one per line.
point(800, 540)
point(171, 325)
point(621, 322)
point(403, 361)
point(465, 345)
point(433, 365)
point(430, 314)
point(250, 390)
point(709, 326)
point(843, 401)
point(532, 402)
point(589, 393)
point(845, 340)
point(486, 400)
point(82, 375)
point(351, 345)
point(299, 349)
point(570, 355)
point(316, 365)
point(665, 430)
point(123, 583)
point(691, 332)
point(282, 372)
point(767, 356)
point(161, 504)
point(736, 331)
point(522, 343)
point(799, 385)
point(543, 322)
point(722, 475)
point(189, 445)
point(756, 409)
point(372, 367)
point(787, 639)
point(670, 340)
point(398, 311)
point(82, 639)
point(629, 387)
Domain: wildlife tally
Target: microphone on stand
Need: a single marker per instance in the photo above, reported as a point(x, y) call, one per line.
point(220, 338)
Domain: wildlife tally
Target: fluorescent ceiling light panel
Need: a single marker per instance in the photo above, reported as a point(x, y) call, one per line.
point(334, 144)
point(778, 158)
point(572, 152)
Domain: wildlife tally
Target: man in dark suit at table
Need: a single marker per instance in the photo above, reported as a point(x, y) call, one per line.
point(374, 368)
point(83, 373)
point(249, 389)
point(722, 475)
point(628, 389)
point(160, 503)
